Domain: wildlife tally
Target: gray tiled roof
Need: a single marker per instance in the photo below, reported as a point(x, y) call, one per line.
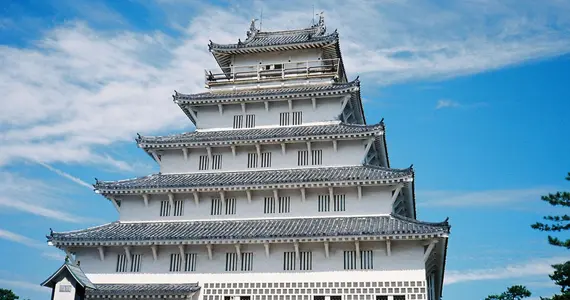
point(256, 178)
point(252, 229)
point(144, 290)
point(261, 134)
point(267, 93)
point(75, 272)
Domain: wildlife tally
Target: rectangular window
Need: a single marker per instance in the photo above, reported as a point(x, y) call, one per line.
point(302, 157)
point(324, 203)
point(203, 163)
point(284, 205)
point(266, 159)
point(179, 208)
point(230, 206)
point(366, 259)
point(231, 262)
point(216, 161)
point(289, 261)
point(339, 202)
point(246, 261)
point(251, 160)
point(381, 297)
point(164, 208)
point(269, 205)
point(349, 260)
point(122, 263)
point(399, 297)
point(238, 121)
point(316, 157)
point(175, 262)
point(136, 262)
point(306, 261)
point(297, 118)
point(65, 288)
point(190, 265)
point(249, 121)
point(336, 298)
point(284, 119)
point(216, 207)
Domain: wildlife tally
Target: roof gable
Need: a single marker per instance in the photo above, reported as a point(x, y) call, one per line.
point(69, 270)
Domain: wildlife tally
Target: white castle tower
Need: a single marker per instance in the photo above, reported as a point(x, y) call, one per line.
point(283, 192)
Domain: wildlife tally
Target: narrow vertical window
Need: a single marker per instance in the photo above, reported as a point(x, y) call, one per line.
point(230, 206)
point(339, 202)
point(284, 205)
point(122, 263)
point(179, 208)
point(203, 163)
point(252, 160)
point(136, 262)
point(216, 207)
point(297, 118)
point(316, 157)
point(349, 260)
point(269, 205)
point(164, 208)
point(324, 203)
point(306, 261)
point(175, 262)
point(249, 121)
point(216, 161)
point(266, 159)
point(289, 261)
point(302, 157)
point(231, 261)
point(366, 260)
point(246, 261)
point(238, 121)
point(190, 262)
point(284, 119)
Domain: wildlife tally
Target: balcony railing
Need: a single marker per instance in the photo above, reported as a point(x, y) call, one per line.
point(275, 71)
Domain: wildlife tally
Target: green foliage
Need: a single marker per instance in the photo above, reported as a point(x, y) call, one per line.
point(515, 292)
point(7, 295)
point(556, 223)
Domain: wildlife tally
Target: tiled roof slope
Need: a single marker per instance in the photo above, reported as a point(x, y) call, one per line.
point(250, 178)
point(75, 272)
point(141, 290)
point(257, 134)
point(286, 92)
point(252, 229)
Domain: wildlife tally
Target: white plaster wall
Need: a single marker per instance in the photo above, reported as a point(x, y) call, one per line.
point(328, 109)
point(375, 201)
point(349, 153)
point(277, 57)
point(64, 295)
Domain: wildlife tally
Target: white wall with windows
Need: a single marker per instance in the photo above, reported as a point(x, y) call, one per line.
point(276, 57)
point(64, 290)
point(375, 200)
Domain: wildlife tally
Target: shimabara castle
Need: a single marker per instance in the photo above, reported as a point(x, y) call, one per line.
point(283, 192)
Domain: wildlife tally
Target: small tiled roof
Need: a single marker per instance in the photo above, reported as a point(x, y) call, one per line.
point(146, 232)
point(75, 272)
point(179, 182)
point(265, 94)
point(241, 136)
point(142, 290)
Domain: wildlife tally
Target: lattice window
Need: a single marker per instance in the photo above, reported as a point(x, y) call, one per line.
point(284, 119)
point(204, 162)
point(269, 205)
point(350, 260)
point(65, 288)
point(231, 262)
point(217, 206)
point(230, 206)
point(266, 159)
point(190, 265)
point(164, 208)
point(302, 157)
point(297, 118)
point(175, 262)
point(324, 203)
point(136, 262)
point(249, 121)
point(305, 260)
point(178, 207)
point(252, 160)
point(400, 297)
point(238, 121)
point(246, 261)
point(336, 298)
point(284, 205)
point(216, 161)
point(366, 259)
point(122, 263)
point(381, 297)
point(316, 157)
point(339, 202)
point(289, 261)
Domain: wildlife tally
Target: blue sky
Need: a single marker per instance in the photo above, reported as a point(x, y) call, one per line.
point(474, 94)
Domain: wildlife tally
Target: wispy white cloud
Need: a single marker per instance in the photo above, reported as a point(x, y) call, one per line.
point(20, 239)
point(527, 269)
point(481, 198)
point(24, 285)
point(445, 103)
point(66, 175)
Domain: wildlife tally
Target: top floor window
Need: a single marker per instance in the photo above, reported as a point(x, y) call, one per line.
point(293, 118)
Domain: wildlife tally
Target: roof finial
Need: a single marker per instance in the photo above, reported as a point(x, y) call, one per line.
point(321, 19)
point(252, 30)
